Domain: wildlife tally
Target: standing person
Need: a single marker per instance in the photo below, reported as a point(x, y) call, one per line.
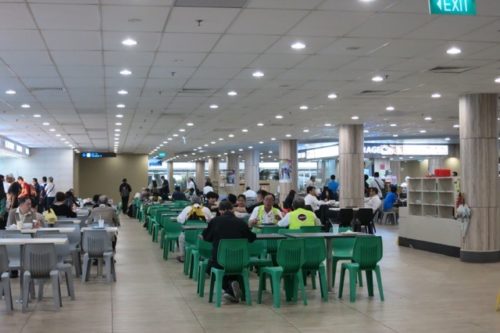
point(50, 190)
point(165, 188)
point(226, 226)
point(312, 182)
point(333, 186)
point(3, 203)
point(249, 193)
point(378, 184)
point(367, 187)
point(38, 189)
point(124, 190)
point(42, 203)
point(191, 184)
point(13, 192)
point(208, 188)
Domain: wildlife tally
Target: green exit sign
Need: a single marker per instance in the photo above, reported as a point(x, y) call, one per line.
point(452, 7)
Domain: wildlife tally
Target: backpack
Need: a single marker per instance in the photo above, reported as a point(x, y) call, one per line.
point(50, 216)
point(196, 213)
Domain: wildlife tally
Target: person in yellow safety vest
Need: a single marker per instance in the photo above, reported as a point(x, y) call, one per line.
point(299, 217)
point(266, 213)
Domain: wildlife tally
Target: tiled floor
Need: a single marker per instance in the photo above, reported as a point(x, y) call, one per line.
point(424, 293)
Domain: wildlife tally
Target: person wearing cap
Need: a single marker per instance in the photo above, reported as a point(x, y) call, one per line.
point(194, 212)
point(299, 217)
point(124, 190)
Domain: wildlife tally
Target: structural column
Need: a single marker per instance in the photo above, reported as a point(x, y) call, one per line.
point(396, 170)
point(232, 174)
point(351, 165)
point(252, 159)
point(214, 172)
point(288, 167)
point(200, 174)
point(479, 176)
point(435, 163)
point(171, 181)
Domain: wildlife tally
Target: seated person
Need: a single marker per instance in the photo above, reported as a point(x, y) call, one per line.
point(226, 226)
point(373, 201)
point(299, 217)
point(208, 187)
point(287, 204)
point(212, 203)
point(266, 213)
point(311, 199)
point(178, 195)
point(326, 194)
point(191, 195)
point(193, 212)
point(60, 206)
point(104, 211)
point(240, 210)
point(25, 214)
point(390, 199)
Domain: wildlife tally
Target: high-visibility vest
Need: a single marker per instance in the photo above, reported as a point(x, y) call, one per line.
point(301, 218)
point(261, 212)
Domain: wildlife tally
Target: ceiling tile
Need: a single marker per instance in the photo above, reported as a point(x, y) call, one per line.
point(137, 72)
point(66, 17)
point(171, 73)
point(349, 5)
point(447, 27)
point(72, 40)
point(122, 58)
point(265, 21)
point(229, 59)
point(179, 59)
point(328, 23)
point(188, 42)
point(487, 33)
point(77, 58)
point(283, 4)
point(25, 57)
point(390, 25)
point(35, 71)
point(14, 40)
point(244, 43)
point(15, 17)
point(278, 60)
point(214, 20)
point(133, 18)
point(147, 41)
point(324, 62)
point(81, 71)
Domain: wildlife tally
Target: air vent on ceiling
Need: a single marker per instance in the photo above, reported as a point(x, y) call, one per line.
point(450, 69)
point(210, 3)
point(47, 89)
point(195, 91)
point(377, 92)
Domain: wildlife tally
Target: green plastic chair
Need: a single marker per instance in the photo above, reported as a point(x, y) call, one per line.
point(366, 255)
point(170, 238)
point(316, 228)
point(233, 256)
point(195, 223)
point(290, 257)
point(204, 255)
point(314, 256)
point(290, 231)
point(191, 237)
point(257, 251)
point(156, 222)
point(272, 244)
point(165, 218)
point(342, 250)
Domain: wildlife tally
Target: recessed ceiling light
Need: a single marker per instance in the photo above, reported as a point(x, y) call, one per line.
point(221, 139)
point(456, 126)
point(428, 118)
point(260, 124)
point(189, 124)
point(354, 117)
point(305, 130)
point(261, 142)
point(25, 106)
point(497, 80)
point(436, 95)
point(244, 130)
point(258, 74)
point(278, 116)
point(423, 131)
point(390, 108)
point(118, 134)
point(45, 124)
point(37, 116)
point(120, 106)
point(447, 139)
point(453, 50)
point(232, 93)
point(240, 149)
point(125, 72)
point(231, 135)
point(395, 135)
point(52, 129)
point(273, 139)
point(377, 78)
point(10, 92)
point(213, 142)
point(122, 92)
point(58, 135)
point(303, 107)
point(182, 130)
point(328, 124)
point(129, 42)
point(298, 46)
point(175, 135)
point(366, 131)
point(232, 152)
point(288, 135)
point(332, 96)
point(117, 130)
point(250, 147)
point(214, 106)
point(205, 145)
point(118, 124)
point(393, 125)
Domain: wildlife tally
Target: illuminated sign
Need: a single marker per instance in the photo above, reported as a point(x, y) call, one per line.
point(10, 145)
point(96, 155)
point(384, 150)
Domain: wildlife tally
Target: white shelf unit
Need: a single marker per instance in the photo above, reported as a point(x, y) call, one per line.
point(432, 197)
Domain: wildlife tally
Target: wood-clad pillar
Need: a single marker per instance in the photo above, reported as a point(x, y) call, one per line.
point(252, 159)
point(213, 172)
point(232, 174)
point(200, 174)
point(351, 142)
point(479, 176)
point(170, 165)
point(288, 167)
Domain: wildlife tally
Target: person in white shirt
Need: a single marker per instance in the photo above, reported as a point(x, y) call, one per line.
point(249, 193)
point(374, 201)
point(190, 184)
point(312, 200)
point(50, 189)
point(378, 184)
point(208, 188)
point(266, 213)
point(186, 214)
point(312, 182)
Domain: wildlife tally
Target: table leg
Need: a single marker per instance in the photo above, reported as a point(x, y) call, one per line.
point(329, 263)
